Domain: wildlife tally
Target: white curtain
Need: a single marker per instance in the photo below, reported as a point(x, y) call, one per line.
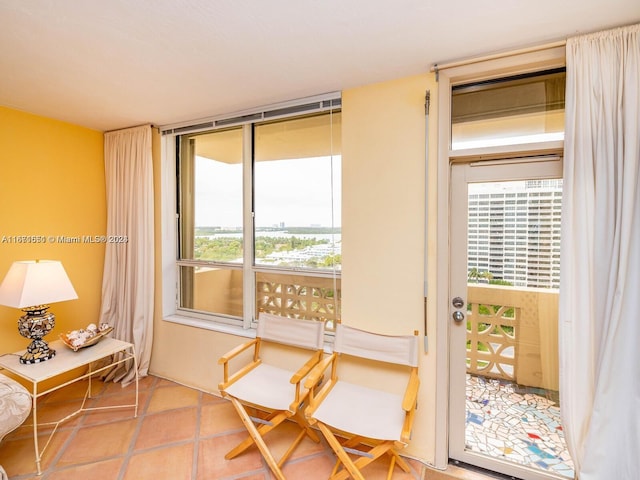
point(128, 281)
point(600, 266)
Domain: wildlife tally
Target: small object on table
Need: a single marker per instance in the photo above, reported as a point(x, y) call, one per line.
point(85, 337)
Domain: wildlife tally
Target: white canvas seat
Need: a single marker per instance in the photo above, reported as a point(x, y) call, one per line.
point(375, 421)
point(257, 387)
point(384, 407)
point(278, 391)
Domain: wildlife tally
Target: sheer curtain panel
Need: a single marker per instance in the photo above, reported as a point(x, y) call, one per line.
point(128, 283)
point(600, 266)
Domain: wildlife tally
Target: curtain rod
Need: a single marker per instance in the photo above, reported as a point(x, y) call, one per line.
point(129, 128)
point(436, 67)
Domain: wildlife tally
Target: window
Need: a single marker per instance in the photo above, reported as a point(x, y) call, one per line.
point(508, 111)
point(211, 222)
point(259, 225)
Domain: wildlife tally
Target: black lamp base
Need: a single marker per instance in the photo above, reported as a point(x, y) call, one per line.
point(37, 351)
point(35, 324)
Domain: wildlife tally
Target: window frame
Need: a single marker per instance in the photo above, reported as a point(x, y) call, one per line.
point(171, 260)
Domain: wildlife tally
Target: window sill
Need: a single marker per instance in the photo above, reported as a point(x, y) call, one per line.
point(232, 329)
point(211, 325)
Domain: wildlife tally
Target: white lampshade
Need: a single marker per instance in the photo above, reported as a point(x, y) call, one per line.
point(31, 283)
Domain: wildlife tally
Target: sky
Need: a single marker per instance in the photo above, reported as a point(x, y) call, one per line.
point(296, 192)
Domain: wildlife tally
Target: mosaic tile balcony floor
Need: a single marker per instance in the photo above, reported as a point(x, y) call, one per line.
point(517, 424)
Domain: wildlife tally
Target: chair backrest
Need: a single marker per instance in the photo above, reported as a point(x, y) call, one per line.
point(398, 349)
point(307, 334)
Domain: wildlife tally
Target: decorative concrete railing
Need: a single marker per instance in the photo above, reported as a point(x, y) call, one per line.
point(299, 296)
point(512, 334)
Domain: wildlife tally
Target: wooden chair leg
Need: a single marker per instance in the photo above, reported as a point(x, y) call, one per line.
point(335, 468)
point(305, 430)
point(363, 461)
point(392, 464)
point(400, 461)
point(253, 432)
point(298, 417)
point(349, 443)
point(342, 455)
point(274, 420)
point(291, 448)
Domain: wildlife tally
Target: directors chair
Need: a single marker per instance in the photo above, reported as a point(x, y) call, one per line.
point(375, 421)
point(276, 391)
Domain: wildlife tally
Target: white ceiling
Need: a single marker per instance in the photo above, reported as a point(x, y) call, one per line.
point(108, 64)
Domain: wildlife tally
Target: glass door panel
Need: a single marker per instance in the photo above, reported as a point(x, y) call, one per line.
point(505, 412)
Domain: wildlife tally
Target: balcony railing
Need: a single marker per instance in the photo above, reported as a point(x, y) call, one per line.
point(512, 334)
point(299, 296)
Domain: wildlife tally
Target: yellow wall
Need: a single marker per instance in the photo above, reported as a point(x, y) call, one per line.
point(51, 185)
point(383, 211)
point(383, 141)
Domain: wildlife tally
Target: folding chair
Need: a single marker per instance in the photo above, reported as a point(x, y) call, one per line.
point(271, 389)
point(365, 417)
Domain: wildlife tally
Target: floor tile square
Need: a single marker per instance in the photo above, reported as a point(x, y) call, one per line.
point(175, 463)
point(171, 397)
point(167, 427)
point(99, 442)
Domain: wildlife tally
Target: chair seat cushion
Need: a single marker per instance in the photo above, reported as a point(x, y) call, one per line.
point(267, 386)
point(363, 411)
point(15, 405)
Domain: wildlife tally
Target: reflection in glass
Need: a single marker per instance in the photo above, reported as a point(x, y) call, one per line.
point(211, 290)
point(297, 167)
point(211, 196)
point(508, 111)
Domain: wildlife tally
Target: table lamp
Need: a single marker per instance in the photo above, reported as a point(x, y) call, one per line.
point(31, 285)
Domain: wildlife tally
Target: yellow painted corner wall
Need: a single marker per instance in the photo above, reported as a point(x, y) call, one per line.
point(383, 141)
point(52, 186)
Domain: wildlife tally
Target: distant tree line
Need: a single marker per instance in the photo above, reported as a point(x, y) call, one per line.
point(226, 249)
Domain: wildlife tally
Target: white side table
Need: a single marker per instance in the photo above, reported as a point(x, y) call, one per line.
point(66, 360)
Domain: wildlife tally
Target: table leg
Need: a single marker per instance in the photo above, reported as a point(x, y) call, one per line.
point(135, 367)
point(90, 375)
point(36, 447)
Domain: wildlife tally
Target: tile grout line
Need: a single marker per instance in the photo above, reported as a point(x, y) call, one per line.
point(142, 413)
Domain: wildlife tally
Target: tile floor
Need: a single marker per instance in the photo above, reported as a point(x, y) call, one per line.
point(180, 433)
point(517, 424)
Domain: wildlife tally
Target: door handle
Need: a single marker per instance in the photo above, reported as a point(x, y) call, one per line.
point(458, 316)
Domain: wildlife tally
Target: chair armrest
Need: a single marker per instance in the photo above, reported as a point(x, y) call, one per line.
point(230, 379)
point(236, 351)
point(318, 371)
point(306, 368)
point(314, 378)
point(411, 393)
point(224, 360)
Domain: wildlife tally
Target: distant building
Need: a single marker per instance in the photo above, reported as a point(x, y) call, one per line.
point(514, 231)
